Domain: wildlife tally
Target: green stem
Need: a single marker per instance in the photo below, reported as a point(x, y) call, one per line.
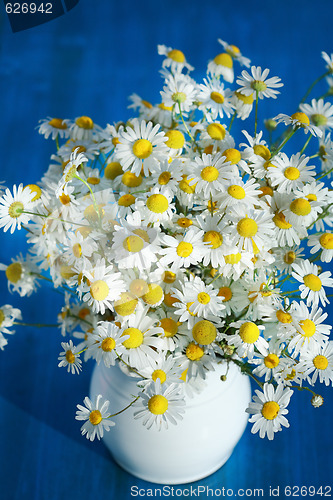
point(93, 197)
point(129, 366)
point(57, 142)
point(324, 175)
point(232, 121)
point(39, 325)
point(186, 127)
point(291, 133)
point(256, 115)
point(305, 145)
point(313, 84)
point(289, 291)
point(126, 407)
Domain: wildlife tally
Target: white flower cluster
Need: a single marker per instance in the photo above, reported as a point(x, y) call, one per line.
point(177, 247)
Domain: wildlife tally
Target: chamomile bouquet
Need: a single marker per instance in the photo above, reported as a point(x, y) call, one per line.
point(177, 248)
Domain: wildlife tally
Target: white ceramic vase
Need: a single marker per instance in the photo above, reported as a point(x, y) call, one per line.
point(197, 446)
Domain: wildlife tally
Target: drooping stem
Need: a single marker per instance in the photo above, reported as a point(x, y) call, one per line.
point(291, 133)
point(184, 123)
point(232, 121)
point(306, 144)
point(256, 115)
point(126, 407)
point(38, 325)
point(313, 84)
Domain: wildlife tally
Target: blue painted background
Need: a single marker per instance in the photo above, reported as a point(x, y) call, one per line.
point(88, 62)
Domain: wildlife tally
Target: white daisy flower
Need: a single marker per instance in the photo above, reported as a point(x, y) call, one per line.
point(271, 364)
point(54, 127)
point(96, 416)
point(70, 357)
point(142, 106)
point(237, 192)
point(173, 335)
point(285, 233)
point(247, 338)
point(70, 171)
point(222, 65)
point(242, 104)
point(184, 250)
point(143, 343)
point(320, 113)
point(22, 275)
point(174, 59)
point(324, 243)
point(309, 329)
point(84, 128)
point(233, 294)
point(157, 206)
point(235, 263)
point(268, 409)
point(165, 369)
point(13, 206)
point(209, 173)
point(329, 60)
point(105, 286)
point(217, 242)
point(251, 230)
point(285, 257)
point(258, 82)
point(141, 145)
point(235, 53)
point(214, 99)
point(299, 120)
point(318, 196)
point(8, 316)
point(312, 283)
point(161, 405)
point(105, 343)
point(318, 363)
point(179, 90)
point(166, 176)
point(302, 211)
point(78, 247)
point(290, 174)
point(196, 361)
point(326, 154)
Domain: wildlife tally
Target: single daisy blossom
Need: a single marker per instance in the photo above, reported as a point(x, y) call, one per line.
point(312, 283)
point(258, 83)
point(96, 416)
point(13, 206)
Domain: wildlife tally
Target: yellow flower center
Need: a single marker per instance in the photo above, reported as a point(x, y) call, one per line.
point(232, 258)
point(259, 85)
point(216, 131)
point(99, 290)
point(185, 186)
point(169, 277)
point(320, 362)
point(177, 56)
point(313, 282)
point(77, 250)
point(35, 189)
point(311, 197)
point(85, 122)
point(184, 222)
point(157, 203)
point(223, 59)
point(70, 357)
point(133, 244)
point(247, 227)
point(2, 316)
point(175, 140)
point(226, 293)
point(300, 206)
point(184, 249)
point(271, 361)
point(164, 107)
point(204, 332)
point(246, 99)
point(138, 287)
point(214, 239)
point(236, 192)
point(326, 241)
point(108, 344)
point(283, 317)
point(15, 209)
point(126, 304)
point(14, 272)
point(263, 151)
point(169, 326)
point(164, 178)
point(266, 191)
point(58, 123)
point(135, 338)
point(66, 272)
point(194, 352)
point(270, 410)
point(233, 50)
point(179, 97)
point(159, 374)
point(232, 155)
point(142, 233)
point(280, 221)
point(83, 313)
point(301, 118)
point(203, 298)
point(65, 199)
point(126, 200)
point(95, 417)
point(169, 300)
point(289, 257)
point(113, 170)
point(142, 148)
point(94, 181)
point(91, 214)
point(249, 332)
point(131, 180)
point(308, 327)
point(291, 173)
point(158, 404)
point(217, 97)
point(318, 119)
point(154, 294)
point(209, 174)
